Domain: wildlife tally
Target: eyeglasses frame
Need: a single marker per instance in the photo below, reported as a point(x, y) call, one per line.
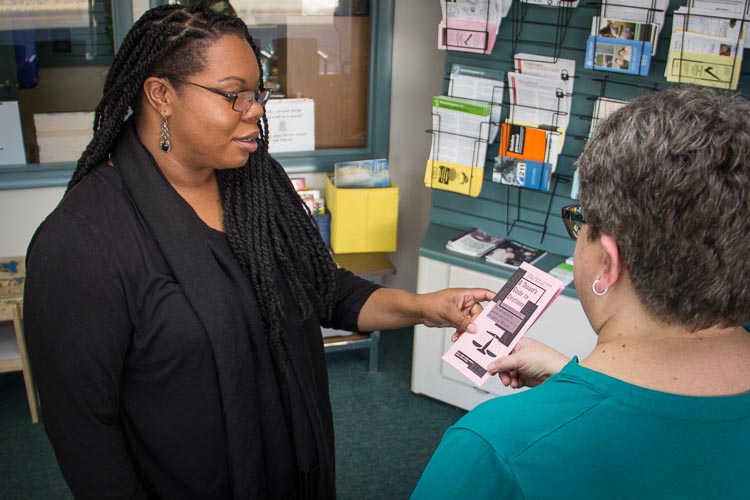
point(572, 216)
point(230, 96)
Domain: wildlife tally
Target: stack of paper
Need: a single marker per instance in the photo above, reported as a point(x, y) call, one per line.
point(540, 92)
point(737, 9)
point(460, 132)
point(636, 11)
point(474, 84)
point(624, 35)
point(707, 44)
point(527, 157)
point(502, 323)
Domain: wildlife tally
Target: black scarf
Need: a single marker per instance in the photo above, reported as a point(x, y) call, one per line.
point(258, 444)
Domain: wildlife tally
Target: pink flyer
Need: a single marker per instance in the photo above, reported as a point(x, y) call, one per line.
point(466, 36)
point(502, 323)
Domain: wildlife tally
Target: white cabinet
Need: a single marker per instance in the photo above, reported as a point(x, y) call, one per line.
point(563, 326)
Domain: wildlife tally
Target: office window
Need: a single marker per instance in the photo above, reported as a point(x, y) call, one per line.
point(54, 55)
point(317, 50)
point(53, 60)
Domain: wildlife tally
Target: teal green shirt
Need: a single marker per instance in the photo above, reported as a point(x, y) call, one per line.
point(585, 435)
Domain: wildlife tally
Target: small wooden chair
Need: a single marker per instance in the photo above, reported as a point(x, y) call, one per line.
point(13, 355)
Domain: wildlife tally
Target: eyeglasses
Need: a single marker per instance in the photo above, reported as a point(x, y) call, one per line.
point(241, 101)
point(572, 216)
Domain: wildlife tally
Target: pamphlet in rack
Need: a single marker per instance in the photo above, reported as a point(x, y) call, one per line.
point(618, 55)
point(502, 323)
point(707, 45)
point(460, 132)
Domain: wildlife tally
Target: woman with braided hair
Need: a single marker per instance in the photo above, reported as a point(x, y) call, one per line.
point(174, 298)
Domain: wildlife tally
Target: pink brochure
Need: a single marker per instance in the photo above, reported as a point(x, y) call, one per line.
point(466, 35)
point(502, 323)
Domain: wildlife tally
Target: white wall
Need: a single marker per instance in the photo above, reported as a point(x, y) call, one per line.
point(21, 212)
point(139, 7)
point(417, 75)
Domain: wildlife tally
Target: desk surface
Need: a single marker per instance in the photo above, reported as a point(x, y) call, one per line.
point(367, 265)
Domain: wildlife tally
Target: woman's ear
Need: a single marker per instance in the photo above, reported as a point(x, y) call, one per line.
point(158, 94)
point(611, 261)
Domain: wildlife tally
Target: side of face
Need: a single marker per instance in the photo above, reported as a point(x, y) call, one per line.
point(204, 129)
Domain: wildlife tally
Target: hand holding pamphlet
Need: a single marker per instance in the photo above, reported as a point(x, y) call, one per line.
point(502, 323)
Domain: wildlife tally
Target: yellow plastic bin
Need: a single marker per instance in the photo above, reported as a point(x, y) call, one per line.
point(362, 219)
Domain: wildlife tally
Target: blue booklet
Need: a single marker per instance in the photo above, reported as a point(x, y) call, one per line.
point(630, 57)
point(522, 173)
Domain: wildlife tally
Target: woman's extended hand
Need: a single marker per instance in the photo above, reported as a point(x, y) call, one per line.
point(528, 365)
point(456, 307)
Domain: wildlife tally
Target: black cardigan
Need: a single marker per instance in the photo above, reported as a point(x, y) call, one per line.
point(127, 379)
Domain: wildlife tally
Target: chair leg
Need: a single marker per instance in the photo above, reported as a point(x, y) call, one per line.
point(28, 378)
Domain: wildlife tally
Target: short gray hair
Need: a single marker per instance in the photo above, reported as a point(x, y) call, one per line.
point(668, 176)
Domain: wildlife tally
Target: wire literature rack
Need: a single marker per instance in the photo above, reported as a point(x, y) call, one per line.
point(553, 114)
point(449, 172)
point(562, 12)
point(619, 45)
point(514, 215)
point(614, 90)
point(465, 36)
point(719, 71)
point(530, 31)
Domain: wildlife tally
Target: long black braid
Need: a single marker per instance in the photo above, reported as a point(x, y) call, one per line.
point(268, 227)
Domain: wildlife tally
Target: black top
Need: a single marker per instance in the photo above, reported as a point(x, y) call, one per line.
point(125, 371)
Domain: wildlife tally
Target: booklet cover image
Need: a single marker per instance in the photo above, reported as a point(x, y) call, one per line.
point(618, 55)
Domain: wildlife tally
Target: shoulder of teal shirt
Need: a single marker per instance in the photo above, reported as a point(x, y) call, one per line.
point(747, 327)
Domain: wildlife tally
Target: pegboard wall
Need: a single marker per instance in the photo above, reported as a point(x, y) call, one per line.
point(530, 216)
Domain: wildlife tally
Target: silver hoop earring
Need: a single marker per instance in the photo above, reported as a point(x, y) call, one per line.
point(164, 143)
point(597, 292)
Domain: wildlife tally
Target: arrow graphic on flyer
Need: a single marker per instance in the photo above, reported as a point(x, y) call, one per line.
point(709, 70)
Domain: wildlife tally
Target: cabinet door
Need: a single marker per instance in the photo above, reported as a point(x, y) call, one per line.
point(563, 326)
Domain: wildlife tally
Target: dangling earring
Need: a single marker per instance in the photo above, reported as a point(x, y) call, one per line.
point(164, 143)
point(597, 292)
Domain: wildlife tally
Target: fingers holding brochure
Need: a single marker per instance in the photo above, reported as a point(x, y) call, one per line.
point(529, 364)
